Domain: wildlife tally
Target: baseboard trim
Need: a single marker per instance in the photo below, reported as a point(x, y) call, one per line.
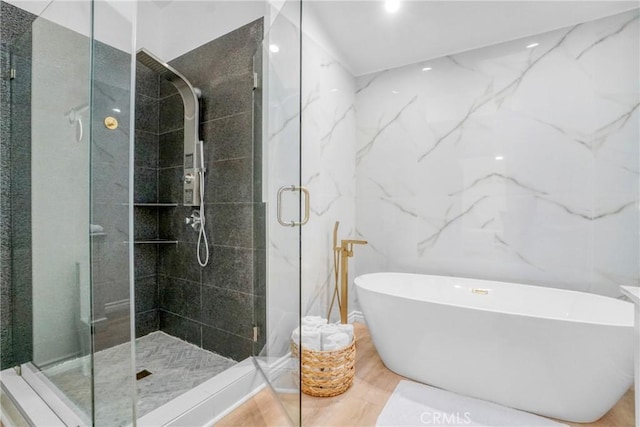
point(280, 365)
point(356, 316)
point(115, 307)
point(67, 365)
point(54, 363)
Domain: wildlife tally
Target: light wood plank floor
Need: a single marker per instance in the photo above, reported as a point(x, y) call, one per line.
point(363, 402)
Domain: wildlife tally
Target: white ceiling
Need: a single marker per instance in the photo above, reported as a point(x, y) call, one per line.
point(161, 3)
point(360, 33)
point(367, 38)
point(170, 28)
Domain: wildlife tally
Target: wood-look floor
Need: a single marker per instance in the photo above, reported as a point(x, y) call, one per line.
point(362, 403)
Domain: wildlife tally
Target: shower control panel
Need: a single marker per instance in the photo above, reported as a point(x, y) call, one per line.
point(191, 188)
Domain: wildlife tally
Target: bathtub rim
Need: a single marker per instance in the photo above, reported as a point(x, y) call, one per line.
point(629, 324)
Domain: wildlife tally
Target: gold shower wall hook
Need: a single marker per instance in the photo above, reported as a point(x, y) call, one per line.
point(111, 123)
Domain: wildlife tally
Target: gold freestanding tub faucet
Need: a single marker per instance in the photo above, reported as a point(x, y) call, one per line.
point(346, 252)
point(341, 255)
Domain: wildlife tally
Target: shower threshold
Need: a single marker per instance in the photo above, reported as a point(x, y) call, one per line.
point(184, 379)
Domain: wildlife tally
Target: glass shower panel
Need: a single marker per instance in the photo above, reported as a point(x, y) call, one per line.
point(281, 142)
point(60, 147)
point(111, 213)
point(20, 306)
point(79, 58)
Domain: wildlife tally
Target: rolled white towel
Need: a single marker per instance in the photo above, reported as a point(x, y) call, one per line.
point(311, 338)
point(347, 329)
point(295, 336)
point(328, 330)
point(95, 228)
point(313, 321)
point(336, 341)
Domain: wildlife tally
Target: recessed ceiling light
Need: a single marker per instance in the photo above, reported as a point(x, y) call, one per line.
point(116, 110)
point(274, 48)
point(427, 69)
point(392, 6)
point(532, 45)
point(499, 157)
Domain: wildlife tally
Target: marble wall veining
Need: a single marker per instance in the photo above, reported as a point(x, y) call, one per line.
point(328, 169)
point(516, 162)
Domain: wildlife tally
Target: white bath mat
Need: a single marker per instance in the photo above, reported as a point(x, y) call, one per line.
point(414, 404)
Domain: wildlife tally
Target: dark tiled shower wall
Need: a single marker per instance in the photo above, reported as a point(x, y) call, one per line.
point(215, 307)
point(15, 208)
point(146, 191)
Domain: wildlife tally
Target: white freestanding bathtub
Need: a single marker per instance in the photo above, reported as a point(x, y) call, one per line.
point(557, 353)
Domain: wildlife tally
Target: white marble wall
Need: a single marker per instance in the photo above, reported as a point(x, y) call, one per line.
point(328, 168)
point(510, 162)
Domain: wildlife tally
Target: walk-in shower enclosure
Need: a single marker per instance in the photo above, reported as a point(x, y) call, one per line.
point(135, 202)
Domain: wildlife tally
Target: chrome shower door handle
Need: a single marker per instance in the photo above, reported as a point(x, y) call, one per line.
point(293, 188)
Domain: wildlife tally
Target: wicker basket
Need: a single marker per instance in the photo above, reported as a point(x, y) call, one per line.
point(326, 373)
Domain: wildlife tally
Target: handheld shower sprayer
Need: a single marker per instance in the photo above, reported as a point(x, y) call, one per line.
point(202, 233)
point(198, 219)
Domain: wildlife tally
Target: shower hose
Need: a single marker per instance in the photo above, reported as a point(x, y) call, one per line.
point(202, 234)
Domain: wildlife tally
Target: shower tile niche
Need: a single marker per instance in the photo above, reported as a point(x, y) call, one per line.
point(212, 307)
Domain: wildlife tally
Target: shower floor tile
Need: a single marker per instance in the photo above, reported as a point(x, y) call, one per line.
point(175, 365)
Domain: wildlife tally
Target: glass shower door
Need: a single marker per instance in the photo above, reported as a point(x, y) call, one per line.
point(279, 89)
point(73, 173)
point(60, 205)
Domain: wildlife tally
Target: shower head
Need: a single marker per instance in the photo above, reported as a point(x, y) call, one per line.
point(167, 72)
point(189, 95)
point(151, 61)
